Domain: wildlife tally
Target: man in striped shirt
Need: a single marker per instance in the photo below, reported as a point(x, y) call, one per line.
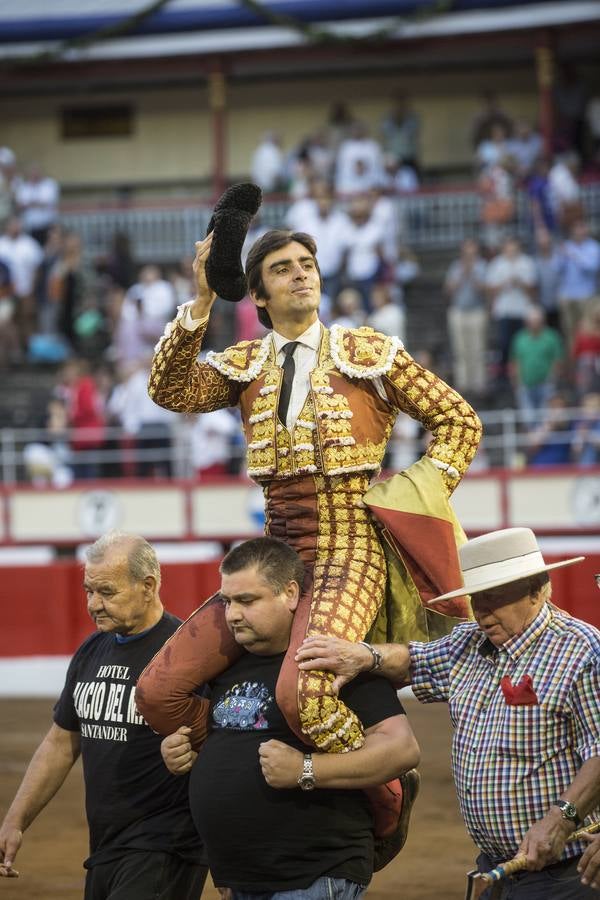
point(523, 687)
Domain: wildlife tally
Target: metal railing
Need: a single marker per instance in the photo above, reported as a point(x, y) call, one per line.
point(432, 220)
point(167, 452)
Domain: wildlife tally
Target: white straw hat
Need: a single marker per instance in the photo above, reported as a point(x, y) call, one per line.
point(498, 558)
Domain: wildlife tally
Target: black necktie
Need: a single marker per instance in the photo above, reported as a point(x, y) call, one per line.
point(289, 368)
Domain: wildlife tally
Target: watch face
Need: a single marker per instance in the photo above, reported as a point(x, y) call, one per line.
point(306, 782)
point(570, 811)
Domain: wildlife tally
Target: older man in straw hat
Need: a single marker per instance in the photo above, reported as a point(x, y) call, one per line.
point(523, 686)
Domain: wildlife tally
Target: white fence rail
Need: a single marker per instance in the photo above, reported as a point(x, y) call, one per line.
point(430, 220)
point(507, 444)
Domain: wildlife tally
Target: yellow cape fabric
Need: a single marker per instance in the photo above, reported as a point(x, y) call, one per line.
point(403, 617)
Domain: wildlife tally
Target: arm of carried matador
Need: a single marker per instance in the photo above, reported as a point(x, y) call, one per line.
point(178, 381)
point(441, 410)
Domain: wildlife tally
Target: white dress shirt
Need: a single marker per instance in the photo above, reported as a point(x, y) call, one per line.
point(305, 360)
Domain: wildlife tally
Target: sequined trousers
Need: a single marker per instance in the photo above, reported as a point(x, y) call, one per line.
point(325, 520)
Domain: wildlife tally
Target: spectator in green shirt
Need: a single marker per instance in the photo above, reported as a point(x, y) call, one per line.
point(536, 355)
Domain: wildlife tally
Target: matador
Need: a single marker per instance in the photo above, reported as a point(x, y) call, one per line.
point(314, 462)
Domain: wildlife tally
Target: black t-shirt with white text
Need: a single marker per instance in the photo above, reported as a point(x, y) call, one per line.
point(260, 838)
point(132, 801)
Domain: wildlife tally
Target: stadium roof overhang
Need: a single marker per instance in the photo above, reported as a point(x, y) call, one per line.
point(138, 42)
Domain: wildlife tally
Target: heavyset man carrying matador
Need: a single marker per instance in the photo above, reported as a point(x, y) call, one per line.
point(317, 430)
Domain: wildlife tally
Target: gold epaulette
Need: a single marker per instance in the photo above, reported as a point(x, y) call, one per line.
point(363, 352)
point(243, 361)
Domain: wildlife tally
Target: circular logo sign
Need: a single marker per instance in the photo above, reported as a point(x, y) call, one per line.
point(99, 511)
point(585, 500)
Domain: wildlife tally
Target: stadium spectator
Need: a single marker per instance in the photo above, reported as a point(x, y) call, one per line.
point(119, 265)
point(496, 184)
point(585, 448)
point(579, 274)
point(549, 444)
point(7, 174)
point(586, 351)
point(146, 426)
point(489, 115)
point(37, 198)
point(338, 124)
point(9, 339)
point(565, 192)
point(525, 147)
point(364, 249)
point(388, 312)
point(536, 360)
point(268, 164)
point(146, 307)
point(400, 129)
point(348, 310)
point(212, 441)
point(464, 286)
point(494, 149)
point(22, 254)
point(85, 415)
point(510, 281)
point(547, 266)
point(72, 285)
point(542, 212)
point(359, 165)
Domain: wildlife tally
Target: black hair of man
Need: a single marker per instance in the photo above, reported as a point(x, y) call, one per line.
point(277, 562)
point(268, 243)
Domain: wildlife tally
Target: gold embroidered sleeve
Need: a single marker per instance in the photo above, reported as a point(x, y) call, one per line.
point(454, 424)
point(178, 381)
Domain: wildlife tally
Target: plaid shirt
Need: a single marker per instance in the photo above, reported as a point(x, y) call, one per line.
point(510, 762)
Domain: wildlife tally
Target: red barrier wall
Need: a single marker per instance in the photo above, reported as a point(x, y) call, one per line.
point(44, 612)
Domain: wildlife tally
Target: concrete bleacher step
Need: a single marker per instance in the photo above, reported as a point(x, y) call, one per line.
point(24, 396)
point(426, 304)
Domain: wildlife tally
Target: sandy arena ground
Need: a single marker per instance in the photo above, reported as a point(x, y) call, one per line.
point(432, 864)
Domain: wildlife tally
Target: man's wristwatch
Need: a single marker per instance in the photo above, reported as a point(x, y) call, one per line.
point(377, 657)
point(569, 812)
point(307, 779)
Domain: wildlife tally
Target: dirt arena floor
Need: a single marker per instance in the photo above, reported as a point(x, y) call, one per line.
point(432, 864)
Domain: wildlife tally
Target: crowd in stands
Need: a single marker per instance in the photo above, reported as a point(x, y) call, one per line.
point(523, 315)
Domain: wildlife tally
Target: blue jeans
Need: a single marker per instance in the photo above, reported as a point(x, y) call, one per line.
point(323, 888)
point(557, 882)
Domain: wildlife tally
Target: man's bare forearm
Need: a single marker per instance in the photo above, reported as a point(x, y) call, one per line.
point(386, 754)
point(347, 660)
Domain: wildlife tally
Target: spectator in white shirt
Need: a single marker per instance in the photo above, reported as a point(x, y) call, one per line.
point(147, 307)
point(268, 163)
point(23, 256)
point(37, 197)
point(359, 162)
point(212, 442)
point(364, 250)
point(510, 280)
point(330, 226)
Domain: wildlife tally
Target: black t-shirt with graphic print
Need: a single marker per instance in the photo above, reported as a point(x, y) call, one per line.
point(132, 801)
point(260, 838)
